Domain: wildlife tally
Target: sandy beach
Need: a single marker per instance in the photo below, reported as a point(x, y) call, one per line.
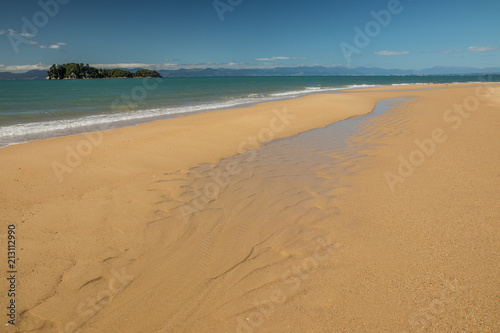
point(373, 210)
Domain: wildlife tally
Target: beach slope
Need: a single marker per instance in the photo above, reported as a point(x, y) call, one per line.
point(389, 223)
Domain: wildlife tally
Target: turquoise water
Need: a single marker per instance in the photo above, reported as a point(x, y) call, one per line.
point(31, 110)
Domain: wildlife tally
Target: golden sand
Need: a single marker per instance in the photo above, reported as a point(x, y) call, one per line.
point(163, 228)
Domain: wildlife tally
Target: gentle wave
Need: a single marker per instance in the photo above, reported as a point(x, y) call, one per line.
point(26, 132)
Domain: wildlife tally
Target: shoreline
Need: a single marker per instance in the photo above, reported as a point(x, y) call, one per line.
point(111, 216)
point(109, 121)
point(140, 119)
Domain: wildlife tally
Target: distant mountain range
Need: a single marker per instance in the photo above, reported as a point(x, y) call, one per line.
point(286, 71)
point(30, 75)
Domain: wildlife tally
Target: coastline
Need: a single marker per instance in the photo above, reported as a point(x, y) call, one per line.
point(101, 122)
point(84, 209)
point(143, 103)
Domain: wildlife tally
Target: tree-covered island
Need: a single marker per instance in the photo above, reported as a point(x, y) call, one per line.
point(81, 71)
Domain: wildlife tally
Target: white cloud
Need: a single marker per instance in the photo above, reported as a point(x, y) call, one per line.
point(391, 53)
point(2, 32)
point(23, 68)
point(54, 46)
point(482, 48)
point(272, 59)
point(279, 58)
point(472, 49)
point(22, 34)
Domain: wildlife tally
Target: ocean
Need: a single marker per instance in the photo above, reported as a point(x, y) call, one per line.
point(33, 110)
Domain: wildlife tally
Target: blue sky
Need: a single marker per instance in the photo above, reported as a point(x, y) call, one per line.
point(249, 33)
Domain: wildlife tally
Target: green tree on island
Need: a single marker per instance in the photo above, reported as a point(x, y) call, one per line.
point(81, 71)
point(146, 73)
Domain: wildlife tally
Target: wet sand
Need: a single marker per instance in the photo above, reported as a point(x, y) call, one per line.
point(163, 227)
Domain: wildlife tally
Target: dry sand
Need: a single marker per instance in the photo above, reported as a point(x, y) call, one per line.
point(163, 228)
